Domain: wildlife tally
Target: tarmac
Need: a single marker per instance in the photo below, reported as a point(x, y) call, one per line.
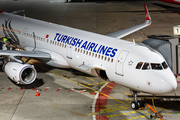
point(67, 94)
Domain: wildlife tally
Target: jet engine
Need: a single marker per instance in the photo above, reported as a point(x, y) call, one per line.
point(20, 73)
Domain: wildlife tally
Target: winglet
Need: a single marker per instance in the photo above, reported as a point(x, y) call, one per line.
point(147, 13)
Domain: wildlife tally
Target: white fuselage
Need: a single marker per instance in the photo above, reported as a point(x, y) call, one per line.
point(71, 47)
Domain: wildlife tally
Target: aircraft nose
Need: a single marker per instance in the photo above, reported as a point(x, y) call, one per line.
point(170, 84)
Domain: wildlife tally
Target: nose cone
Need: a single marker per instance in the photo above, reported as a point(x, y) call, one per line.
point(169, 84)
point(173, 84)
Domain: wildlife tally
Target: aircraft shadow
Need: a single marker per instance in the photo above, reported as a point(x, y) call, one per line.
point(37, 83)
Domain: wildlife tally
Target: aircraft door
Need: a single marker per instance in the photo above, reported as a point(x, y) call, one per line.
point(120, 62)
point(24, 35)
point(69, 51)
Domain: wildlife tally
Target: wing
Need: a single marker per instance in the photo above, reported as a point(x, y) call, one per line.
point(125, 32)
point(31, 54)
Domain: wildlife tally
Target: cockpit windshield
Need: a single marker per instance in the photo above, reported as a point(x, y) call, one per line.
point(153, 66)
point(156, 66)
point(146, 66)
point(164, 65)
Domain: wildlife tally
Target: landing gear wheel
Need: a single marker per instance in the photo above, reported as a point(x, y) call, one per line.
point(134, 105)
point(140, 104)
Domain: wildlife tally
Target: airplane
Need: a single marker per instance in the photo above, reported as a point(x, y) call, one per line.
point(135, 66)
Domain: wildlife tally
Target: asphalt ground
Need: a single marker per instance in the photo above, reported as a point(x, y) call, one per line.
point(67, 94)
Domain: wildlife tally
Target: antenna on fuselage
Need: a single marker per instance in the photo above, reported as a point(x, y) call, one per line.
point(134, 41)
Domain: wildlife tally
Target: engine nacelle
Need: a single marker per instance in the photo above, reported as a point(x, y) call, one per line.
point(20, 73)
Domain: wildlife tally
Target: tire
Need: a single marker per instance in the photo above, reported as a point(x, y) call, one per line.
point(134, 105)
point(140, 104)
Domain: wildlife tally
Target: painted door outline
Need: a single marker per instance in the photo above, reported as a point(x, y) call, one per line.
point(69, 51)
point(120, 62)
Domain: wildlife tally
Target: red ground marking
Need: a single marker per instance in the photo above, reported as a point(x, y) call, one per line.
point(70, 90)
point(34, 89)
point(58, 89)
point(9, 88)
point(93, 93)
point(102, 100)
point(102, 117)
point(82, 91)
point(46, 89)
point(178, 81)
point(21, 88)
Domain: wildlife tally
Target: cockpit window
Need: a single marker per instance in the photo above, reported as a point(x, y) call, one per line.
point(156, 66)
point(146, 66)
point(164, 65)
point(153, 66)
point(139, 65)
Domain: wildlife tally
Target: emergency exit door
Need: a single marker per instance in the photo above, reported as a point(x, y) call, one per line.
point(69, 51)
point(120, 62)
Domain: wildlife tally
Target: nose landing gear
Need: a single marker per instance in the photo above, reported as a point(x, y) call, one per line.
point(136, 104)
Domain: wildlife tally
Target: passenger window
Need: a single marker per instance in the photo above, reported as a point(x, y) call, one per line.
point(86, 52)
point(112, 60)
point(139, 65)
point(98, 56)
point(164, 65)
point(95, 55)
point(105, 58)
point(156, 66)
point(108, 59)
point(78, 49)
point(92, 54)
point(146, 66)
point(65, 46)
point(101, 57)
point(75, 49)
point(89, 53)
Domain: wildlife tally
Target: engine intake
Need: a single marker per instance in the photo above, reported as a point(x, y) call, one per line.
point(20, 73)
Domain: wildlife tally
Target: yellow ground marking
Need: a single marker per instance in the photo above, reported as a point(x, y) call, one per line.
point(109, 86)
point(98, 83)
point(90, 79)
point(127, 93)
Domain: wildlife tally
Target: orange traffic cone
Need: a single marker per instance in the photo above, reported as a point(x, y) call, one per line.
point(37, 93)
